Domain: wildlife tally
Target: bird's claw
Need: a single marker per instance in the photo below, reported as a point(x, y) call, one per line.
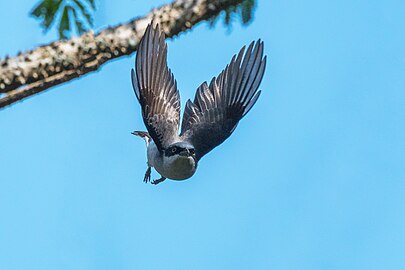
point(157, 181)
point(146, 179)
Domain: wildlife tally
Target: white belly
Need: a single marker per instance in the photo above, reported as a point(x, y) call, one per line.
point(174, 167)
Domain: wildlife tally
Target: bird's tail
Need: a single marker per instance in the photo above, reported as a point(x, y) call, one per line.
point(144, 135)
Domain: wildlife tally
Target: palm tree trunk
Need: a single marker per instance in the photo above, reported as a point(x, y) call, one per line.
point(41, 68)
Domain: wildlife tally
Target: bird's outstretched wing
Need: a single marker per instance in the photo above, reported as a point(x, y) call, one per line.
point(156, 88)
point(217, 108)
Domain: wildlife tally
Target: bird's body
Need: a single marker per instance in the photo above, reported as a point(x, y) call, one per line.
point(208, 120)
point(175, 167)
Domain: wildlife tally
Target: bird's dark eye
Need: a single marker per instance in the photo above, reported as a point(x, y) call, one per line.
point(192, 151)
point(174, 150)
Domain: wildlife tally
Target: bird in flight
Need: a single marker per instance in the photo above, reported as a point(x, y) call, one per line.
point(207, 121)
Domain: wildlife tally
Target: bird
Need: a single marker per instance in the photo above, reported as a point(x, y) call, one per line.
point(207, 121)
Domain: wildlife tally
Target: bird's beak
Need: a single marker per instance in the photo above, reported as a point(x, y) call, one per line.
point(185, 153)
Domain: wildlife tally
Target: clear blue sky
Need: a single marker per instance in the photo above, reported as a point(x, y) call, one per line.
point(313, 177)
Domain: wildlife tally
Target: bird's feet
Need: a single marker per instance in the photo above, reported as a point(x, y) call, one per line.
point(157, 181)
point(146, 179)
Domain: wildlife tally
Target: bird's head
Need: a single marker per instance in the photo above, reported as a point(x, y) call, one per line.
point(183, 149)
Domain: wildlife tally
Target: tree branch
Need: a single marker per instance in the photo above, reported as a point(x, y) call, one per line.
point(37, 70)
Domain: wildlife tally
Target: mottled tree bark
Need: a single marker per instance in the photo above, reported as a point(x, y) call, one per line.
point(37, 70)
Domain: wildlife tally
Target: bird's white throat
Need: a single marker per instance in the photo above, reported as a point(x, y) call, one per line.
point(178, 167)
point(174, 167)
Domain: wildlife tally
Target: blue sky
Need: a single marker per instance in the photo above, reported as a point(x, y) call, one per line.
point(313, 177)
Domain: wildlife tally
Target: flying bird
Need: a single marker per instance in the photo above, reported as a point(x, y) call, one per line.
point(207, 121)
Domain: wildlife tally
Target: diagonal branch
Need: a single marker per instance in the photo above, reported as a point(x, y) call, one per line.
point(37, 70)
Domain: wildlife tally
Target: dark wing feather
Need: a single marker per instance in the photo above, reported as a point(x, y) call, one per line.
point(156, 88)
point(217, 108)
